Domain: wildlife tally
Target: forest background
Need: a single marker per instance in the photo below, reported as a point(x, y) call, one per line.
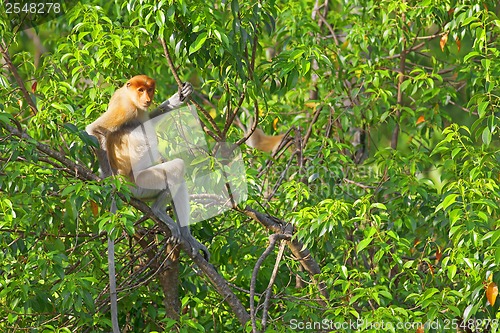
point(391, 181)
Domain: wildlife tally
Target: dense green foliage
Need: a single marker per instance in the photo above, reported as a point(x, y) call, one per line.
point(395, 190)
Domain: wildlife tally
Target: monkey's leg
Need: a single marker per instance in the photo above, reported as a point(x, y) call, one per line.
point(158, 207)
point(168, 178)
point(180, 199)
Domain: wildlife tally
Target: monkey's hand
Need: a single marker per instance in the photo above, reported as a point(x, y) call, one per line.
point(185, 91)
point(181, 96)
point(175, 101)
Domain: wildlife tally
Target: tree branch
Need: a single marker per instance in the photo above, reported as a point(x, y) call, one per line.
point(17, 77)
point(272, 242)
point(298, 249)
point(218, 282)
point(217, 135)
point(401, 79)
point(269, 289)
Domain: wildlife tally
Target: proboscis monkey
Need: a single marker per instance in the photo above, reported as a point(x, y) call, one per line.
point(260, 140)
point(128, 151)
point(267, 143)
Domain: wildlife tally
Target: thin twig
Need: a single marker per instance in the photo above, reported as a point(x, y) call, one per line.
point(272, 241)
point(401, 79)
point(269, 290)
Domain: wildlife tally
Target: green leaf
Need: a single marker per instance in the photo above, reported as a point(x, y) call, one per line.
point(378, 205)
point(429, 293)
point(198, 43)
point(451, 271)
point(481, 108)
point(495, 237)
point(296, 54)
point(469, 20)
point(386, 294)
point(467, 312)
point(344, 272)
point(5, 117)
point(471, 55)
point(449, 200)
point(486, 136)
point(160, 18)
point(363, 244)
point(222, 37)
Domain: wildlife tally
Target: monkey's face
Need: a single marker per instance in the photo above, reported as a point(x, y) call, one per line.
point(142, 89)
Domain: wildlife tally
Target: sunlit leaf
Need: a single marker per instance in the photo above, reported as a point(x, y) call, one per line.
point(443, 40)
point(486, 136)
point(198, 43)
point(492, 293)
point(420, 120)
point(363, 244)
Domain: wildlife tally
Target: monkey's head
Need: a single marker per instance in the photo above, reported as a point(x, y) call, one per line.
point(142, 91)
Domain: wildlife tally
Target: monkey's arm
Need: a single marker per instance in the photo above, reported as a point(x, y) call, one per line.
point(101, 153)
point(174, 102)
point(102, 157)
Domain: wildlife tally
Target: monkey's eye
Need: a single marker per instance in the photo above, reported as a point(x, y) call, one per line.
point(140, 90)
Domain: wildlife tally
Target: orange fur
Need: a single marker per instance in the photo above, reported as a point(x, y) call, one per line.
point(261, 141)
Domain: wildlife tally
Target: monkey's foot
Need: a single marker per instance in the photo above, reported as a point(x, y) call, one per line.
point(196, 247)
point(176, 236)
point(180, 234)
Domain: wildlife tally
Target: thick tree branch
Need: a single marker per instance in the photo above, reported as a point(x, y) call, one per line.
point(218, 282)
